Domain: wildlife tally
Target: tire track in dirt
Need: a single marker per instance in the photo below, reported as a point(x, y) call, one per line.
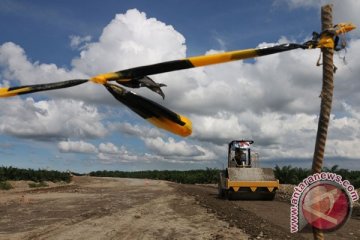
point(260, 219)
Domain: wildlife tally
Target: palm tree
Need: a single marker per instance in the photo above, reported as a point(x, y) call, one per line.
point(286, 174)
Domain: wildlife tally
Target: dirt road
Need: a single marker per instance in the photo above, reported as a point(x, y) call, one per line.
point(110, 208)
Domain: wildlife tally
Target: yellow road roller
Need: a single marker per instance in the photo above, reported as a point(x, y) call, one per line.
point(242, 179)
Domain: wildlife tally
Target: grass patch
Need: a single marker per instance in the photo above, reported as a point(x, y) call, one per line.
point(4, 185)
point(38, 184)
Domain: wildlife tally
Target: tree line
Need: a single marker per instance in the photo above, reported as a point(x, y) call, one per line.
point(294, 175)
point(40, 175)
point(285, 174)
point(189, 177)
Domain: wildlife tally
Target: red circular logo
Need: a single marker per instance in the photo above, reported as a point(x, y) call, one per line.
point(326, 206)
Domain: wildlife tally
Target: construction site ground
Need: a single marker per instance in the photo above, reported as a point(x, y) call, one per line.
point(113, 208)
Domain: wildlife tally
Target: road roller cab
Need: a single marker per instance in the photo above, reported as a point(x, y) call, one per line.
point(239, 154)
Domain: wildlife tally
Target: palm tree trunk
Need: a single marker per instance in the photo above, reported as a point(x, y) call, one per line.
point(326, 101)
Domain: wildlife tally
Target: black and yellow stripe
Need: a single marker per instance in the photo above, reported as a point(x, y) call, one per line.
point(198, 61)
point(155, 113)
point(13, 91)
point(151, 111)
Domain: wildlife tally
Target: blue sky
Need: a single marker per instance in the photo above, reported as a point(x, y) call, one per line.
point(273, 100)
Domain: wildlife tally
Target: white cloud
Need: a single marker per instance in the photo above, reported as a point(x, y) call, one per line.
point(344, 134)
point(16, 66)
point(179, 151)
point(219, 128)
point(130, 40)
point(279, 135)
point(128, 157)
point(108, 148)
point(136, 130)
point(291, 135)
point(109, 153)
point(76, 147)
point(161, 151)
point(17, 69)
point(78, 42)
point(343, 148)
point(168, 150)
point(50, 119)
point(276, 83)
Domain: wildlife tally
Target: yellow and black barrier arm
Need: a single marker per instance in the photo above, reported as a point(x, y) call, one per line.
point(151, 111)
point(138, 77)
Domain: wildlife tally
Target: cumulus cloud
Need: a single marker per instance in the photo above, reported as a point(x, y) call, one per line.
point(219, 128)
point(279, 135)
point(274, 83)
point(171, 147)
point(179, 151)
point(130, 40)
point(128, 157)
point(46, 120)
point(160, 150)
point(17, 69)
point(136, 130)
point(284, 133)
point(76, 147)
point(108, 148)
point(167, 149)
point(344, 134)
point(109, 153)
point(16, 66)
point(78, 42)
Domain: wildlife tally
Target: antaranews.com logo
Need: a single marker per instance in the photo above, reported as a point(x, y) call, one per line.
point(322, 200)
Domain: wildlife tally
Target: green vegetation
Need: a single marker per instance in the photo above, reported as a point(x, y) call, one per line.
point(4, 185)
point(294, 175)
point(37, 185)
point(11, 173)
point(190, 177)
point(291, 175)
point(285, 174)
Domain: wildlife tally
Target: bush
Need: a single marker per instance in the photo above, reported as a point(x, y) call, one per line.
point(4, 185)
